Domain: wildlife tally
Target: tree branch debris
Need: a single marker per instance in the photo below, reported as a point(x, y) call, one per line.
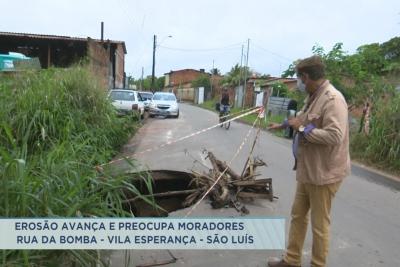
point(231, 189)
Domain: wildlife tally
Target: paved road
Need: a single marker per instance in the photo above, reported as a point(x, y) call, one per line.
point(365, 215)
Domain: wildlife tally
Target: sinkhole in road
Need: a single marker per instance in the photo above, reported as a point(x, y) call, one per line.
point(168, 189)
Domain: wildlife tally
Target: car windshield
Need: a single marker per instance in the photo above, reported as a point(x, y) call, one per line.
point(121, 95)
point(146, 96)
point(165, 97)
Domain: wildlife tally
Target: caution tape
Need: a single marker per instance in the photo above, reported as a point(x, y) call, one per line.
point(241, 111)
point(182, 138)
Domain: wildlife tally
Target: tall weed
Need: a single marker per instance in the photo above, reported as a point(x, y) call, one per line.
point(56, 125)
point(382, 145)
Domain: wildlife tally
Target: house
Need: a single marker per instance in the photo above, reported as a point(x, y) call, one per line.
point(106, 57)
point(182, 78)
point(248, 97)
point(255, 89)
point(291, 83)
point(180, 82)
point(256, 86)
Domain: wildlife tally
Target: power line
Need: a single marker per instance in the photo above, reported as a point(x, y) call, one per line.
point(271, 52)
point(245, 73)
point(125, 10)
point(229, 47)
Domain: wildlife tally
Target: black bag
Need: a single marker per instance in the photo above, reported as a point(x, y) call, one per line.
point(217, 106)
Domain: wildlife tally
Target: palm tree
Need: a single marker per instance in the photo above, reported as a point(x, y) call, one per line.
point(235, 76)
point(215, 71)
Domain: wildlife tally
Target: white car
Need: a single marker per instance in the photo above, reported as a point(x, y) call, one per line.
point(146, 96)
point(127, 101)
point(164, 104)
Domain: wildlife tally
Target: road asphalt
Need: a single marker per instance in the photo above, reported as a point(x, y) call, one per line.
point(365, 221)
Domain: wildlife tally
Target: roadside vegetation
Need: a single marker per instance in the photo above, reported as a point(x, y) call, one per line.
point(381, 147)
point(145, 83)
point(368, 79)
point(56, 125)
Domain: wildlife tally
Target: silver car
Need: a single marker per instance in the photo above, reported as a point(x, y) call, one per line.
point(164, 104)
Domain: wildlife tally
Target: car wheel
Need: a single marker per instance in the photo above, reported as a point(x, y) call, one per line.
point(177, 115)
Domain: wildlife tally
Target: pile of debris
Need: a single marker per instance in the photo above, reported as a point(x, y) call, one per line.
point(231, 189)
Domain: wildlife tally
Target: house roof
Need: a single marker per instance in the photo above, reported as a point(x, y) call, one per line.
point(182, 70)
point(57, 37)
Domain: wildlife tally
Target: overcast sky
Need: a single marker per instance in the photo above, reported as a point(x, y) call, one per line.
point(205, 30)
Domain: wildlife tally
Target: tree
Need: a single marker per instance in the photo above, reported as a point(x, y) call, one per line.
point(363, 78)
point(265, 76)
point(372, 58)
point(145, 84)
point(290, 71)
point(131, 81)
point(236, 75)
point(159, 84)
point(357, 76)
point(391, 52)
point(391, 49)
point(202, 81)
point(215, 71)
point(280, 89)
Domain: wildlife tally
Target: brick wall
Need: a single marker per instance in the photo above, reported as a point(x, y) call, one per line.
point(216, 86)
point(182, 77)
point(249, 99)
point(292, 85)
point(218, 92)
point(185, 94)
point(99, 62)
point(101, 65)
point(180, 83)
point(119, 66)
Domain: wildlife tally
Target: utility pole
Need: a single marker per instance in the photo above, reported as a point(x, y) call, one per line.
point(141, 81)
point(102, 31)
point(212, 79)
point(241, 64)
point(245, 72)
point(154, 62)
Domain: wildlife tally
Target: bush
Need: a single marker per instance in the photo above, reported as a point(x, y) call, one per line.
point(382, 145)
point(56, 125)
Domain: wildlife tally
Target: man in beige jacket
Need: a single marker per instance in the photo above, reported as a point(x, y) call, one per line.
point(322, 161)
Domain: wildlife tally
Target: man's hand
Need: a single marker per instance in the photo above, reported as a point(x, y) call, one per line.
point(295, 123)
point(274, 126)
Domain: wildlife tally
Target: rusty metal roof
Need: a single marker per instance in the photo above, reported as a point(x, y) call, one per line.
point(57, 37)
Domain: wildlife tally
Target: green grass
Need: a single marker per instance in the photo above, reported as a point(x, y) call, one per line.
point(56, 125)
